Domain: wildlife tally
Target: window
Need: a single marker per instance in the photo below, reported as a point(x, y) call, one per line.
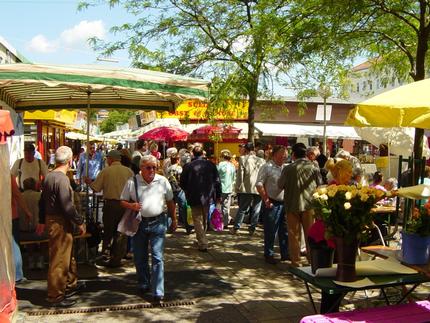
point(370, 85)
point(358, 87)
point(364, 86)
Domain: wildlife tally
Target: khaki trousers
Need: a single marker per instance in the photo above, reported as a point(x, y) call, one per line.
point(200, 218)
point(294, 220)
point(112, 239)
point(62, 272)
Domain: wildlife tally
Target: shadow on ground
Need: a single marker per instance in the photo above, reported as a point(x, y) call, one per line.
point(111, 290)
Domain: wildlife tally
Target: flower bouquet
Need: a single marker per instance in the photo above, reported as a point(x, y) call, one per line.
point(346, 213)
point(345, 209)
point(416, 237)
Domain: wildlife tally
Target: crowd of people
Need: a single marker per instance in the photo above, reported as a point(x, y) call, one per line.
point(270, 186)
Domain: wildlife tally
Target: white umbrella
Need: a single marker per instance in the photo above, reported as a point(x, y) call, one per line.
point(400, 141)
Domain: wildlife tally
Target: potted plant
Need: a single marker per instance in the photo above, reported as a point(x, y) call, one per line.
point(346, 213)
point(416, 237)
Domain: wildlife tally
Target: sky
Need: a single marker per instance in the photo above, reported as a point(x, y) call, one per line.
point(55, 32)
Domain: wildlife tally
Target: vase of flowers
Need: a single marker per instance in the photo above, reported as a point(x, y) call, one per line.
point(346, 213)
point(416, 237)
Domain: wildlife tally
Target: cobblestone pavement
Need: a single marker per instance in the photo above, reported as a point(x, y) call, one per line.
point(240, 287)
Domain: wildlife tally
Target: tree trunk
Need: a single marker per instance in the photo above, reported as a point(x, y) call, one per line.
point(251, 112)
point(421, 53)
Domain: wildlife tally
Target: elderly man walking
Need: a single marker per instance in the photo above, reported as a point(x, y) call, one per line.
point(155, 197)
point(299, 181)
point(111, 180)
point(273, 205)
point(57, 211)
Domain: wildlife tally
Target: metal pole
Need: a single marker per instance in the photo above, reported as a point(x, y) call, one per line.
point(88, 152)
point(324, 92)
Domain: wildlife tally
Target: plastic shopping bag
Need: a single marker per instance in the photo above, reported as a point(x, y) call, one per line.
point(129, 223)
point(216, 220)
point(189, 215)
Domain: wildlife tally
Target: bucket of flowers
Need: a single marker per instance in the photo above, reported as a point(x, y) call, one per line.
point(346, 213)
point(416, 237)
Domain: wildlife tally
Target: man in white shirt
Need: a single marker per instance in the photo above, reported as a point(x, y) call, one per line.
point(155, 196)
point(29, 166)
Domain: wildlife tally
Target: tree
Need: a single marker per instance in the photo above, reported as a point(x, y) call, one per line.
point(233, 41)
point(393, 34)
point(115, 117)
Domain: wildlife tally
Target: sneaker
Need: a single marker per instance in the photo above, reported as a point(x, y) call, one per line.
point(203, 249)
point(251, 231)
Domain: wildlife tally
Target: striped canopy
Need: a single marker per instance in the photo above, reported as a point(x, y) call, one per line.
point(27, 87)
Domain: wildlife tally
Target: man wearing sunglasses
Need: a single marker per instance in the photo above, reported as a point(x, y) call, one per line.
point(155, 204)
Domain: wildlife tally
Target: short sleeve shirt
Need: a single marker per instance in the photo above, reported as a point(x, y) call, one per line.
point(29, 170)
point(152, 196)
point(268, 176)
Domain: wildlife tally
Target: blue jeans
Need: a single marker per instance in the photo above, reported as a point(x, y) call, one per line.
point(152, 234)
point(19, 275)
point(180, 198)
point(274, 223)
point(248, 201)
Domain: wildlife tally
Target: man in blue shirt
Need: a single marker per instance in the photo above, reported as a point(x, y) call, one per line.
point(95, 162)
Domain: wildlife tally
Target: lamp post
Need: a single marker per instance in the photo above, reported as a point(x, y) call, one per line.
point(324, 91)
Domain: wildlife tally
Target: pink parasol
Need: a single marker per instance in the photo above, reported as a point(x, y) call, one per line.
point(166, 134)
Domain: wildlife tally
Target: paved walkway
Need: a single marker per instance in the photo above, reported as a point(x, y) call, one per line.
point(230, 283)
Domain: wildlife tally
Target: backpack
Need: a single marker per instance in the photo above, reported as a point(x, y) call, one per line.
point(173, 180)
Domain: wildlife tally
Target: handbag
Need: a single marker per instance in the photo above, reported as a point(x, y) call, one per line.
point(130, 220)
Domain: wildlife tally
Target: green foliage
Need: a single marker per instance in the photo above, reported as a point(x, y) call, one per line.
point(115, 117)
point(419, 222)
point(236, 43)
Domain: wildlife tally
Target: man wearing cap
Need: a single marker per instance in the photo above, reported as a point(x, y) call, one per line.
point(246, 179)
point(111, 180)
point(227, 175)
point(29, 166)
